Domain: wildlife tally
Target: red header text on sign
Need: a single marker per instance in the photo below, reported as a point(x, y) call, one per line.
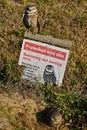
point(45, 50)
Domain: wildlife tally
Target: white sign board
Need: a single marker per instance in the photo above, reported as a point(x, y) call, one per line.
point(44, 62)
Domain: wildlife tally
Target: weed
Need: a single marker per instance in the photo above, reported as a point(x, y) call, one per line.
point(45, 33)
point(61, 20)
point(22, 1)
point(4, 2)
point(19, 33)
point(69, 103)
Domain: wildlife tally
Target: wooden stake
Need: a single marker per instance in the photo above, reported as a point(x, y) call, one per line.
point(49, 40)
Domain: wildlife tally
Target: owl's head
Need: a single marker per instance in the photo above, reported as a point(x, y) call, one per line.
point(31, 10)
point(56, 118)
point(49, 69)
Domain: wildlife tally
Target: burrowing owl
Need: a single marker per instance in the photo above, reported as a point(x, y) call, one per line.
point(30, 19)
point(51, 117)
point(56, 119)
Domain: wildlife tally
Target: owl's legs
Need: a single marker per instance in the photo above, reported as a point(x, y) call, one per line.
point(34, 31)
point(29, 30)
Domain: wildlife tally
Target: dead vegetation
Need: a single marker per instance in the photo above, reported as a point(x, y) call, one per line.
point(20, 101)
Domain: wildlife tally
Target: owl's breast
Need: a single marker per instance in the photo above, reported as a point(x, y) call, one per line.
point(34, 21)
point(30, 21)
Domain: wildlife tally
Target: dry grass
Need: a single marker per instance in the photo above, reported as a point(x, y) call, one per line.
point(62, 19)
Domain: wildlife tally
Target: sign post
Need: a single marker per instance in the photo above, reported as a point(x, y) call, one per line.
point(44, 62)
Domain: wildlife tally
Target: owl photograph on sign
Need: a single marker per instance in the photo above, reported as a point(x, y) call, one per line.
point(49, 74)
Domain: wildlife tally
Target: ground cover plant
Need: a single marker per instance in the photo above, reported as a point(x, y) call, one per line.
point(61, 19)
